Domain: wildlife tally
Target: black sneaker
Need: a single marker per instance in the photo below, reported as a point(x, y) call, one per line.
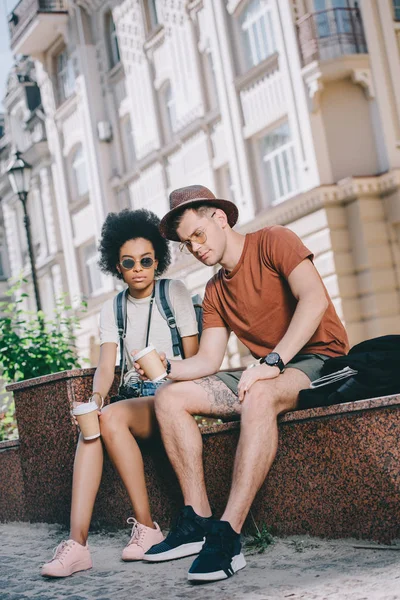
point(185, 538)
point(220, 556)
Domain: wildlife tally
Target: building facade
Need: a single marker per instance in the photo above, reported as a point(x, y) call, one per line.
point(290, 108)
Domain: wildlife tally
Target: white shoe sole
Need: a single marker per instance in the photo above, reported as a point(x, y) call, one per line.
point(179, 552)
point(238, 562)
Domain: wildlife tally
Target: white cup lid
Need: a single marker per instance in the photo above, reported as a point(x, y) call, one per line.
point(142, 353)
point(84, 409)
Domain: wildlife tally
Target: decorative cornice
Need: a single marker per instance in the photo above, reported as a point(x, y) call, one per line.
point(193, 7)
point(155, 40)
point(234, 5)
point(268, 65)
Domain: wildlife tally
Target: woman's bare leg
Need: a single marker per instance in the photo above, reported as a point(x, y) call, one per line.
point(88, 467)
point(120, 424)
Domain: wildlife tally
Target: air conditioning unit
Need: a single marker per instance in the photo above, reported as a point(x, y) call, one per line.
point(104, 131)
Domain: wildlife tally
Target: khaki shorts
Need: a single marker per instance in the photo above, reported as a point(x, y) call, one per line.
point(310, 364)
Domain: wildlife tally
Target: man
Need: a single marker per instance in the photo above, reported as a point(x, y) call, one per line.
point(270, 295)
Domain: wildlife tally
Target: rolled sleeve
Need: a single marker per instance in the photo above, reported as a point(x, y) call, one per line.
point(284, 250)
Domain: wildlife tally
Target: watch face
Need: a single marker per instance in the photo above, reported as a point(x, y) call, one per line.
point(272, 359)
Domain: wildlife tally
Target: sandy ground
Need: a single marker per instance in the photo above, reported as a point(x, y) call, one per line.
point(297, 567)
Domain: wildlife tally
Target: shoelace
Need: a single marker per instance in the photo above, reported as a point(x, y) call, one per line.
point(137, 533)
point(61, 550)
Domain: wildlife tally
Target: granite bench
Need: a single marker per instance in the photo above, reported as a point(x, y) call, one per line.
point(336, 473)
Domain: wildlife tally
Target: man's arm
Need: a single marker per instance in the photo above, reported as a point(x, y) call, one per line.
point(206, 362)
point(308, 289)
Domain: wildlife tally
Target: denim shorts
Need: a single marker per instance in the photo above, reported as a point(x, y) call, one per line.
point(144, 388)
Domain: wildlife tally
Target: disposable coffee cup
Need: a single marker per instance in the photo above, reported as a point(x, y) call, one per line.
point(151, 363)
point(88, 419)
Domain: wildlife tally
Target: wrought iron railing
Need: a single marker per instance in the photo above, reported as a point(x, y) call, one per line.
point(26, 10)
point(327, 34)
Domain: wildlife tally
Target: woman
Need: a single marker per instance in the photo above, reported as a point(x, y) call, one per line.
point(132, 249)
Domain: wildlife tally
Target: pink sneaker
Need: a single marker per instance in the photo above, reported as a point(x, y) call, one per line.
point(142, 538)
point(69, 557)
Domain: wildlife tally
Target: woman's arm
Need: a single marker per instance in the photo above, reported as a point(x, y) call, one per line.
point(190, 345)
point(104, 375)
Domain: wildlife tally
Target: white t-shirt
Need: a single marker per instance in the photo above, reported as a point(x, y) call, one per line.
point(137, 319)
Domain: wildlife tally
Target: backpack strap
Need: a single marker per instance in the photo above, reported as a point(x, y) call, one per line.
point(164, 306)
point(120, 315)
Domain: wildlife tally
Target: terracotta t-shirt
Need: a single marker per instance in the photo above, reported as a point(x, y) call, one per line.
point(256, 303)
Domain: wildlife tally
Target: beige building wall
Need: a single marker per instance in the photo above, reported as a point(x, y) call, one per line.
point(188, 98)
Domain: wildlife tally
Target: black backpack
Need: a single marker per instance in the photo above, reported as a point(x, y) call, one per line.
point(165, 307)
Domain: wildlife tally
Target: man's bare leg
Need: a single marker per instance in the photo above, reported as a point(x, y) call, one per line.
point(258, 440)
point(176, 403)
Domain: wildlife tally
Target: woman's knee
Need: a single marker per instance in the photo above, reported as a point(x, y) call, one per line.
point(111, 421)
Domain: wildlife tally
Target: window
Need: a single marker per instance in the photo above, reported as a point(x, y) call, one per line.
point(257, 32)
point(92, 271)
point(128, 144)
point(396, 10)
point(81, 186)
point(338, 21)
point(168, 110)
point(65, 76)
point(112, 41)
point(211, 80)
point(279, 162)
point(154, 15)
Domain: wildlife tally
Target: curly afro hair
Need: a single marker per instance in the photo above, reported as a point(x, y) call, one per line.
point(126, 225)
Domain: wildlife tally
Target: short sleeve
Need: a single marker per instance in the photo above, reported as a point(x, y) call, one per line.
point(211, 314)
point(108, 328)
point(182, 305)
point(284, 250)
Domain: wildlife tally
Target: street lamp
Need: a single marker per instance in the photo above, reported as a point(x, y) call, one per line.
point(19, 174)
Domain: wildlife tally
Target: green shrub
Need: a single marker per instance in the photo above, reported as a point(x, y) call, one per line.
point(32, 344)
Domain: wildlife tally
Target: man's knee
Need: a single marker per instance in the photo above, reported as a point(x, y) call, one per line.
point(260, 401)
point(172, 399)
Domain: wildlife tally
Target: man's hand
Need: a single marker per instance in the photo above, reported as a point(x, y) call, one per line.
point(140, 371)
point(253, 374)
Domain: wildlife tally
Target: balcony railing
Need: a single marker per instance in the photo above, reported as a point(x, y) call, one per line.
point(26, 10)
point(327, 34)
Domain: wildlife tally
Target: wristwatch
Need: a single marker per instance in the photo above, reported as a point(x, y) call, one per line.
point(168, 369)
point(273, 360)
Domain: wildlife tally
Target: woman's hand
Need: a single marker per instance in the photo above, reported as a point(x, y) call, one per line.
point(76, 404)
point(253, 374)
point(140, 371)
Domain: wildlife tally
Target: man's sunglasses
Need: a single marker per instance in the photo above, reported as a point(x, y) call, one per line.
point(128, 263)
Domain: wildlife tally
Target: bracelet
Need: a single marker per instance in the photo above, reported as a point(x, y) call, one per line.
point(101, 397)
point(168, 369)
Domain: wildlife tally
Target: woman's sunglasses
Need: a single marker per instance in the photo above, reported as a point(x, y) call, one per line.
point(128, 263)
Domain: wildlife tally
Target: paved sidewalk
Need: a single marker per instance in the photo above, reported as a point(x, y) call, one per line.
point(292, 568)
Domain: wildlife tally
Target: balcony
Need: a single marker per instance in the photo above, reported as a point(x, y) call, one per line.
point(328, 34)
point(35, 24)
point(262, 95)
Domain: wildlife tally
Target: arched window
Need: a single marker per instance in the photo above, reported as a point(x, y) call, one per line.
point(112, 41)
point(80, 181)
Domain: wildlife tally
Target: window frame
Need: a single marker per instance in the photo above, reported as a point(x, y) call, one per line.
point(276, 164)
point(65, 76)
point(257, 46)
point(113, 50)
